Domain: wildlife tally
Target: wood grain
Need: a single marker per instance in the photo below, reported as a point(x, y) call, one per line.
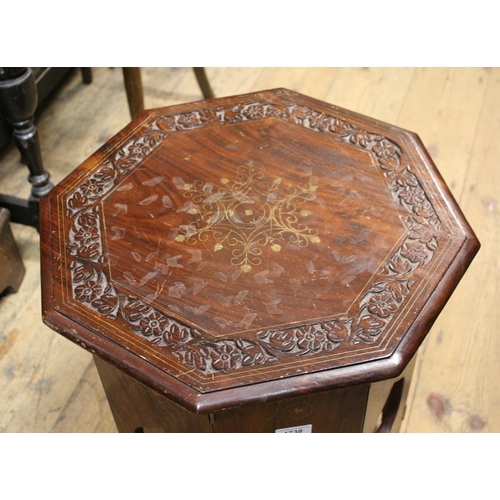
point(443, 398)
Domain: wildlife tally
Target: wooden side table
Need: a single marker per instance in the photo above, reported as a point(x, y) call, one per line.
point(257, 263)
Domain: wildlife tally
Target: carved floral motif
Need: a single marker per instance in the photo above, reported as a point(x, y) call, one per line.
point(308, 339)
point(91, 286)
point(222, 355)
point(377, 308)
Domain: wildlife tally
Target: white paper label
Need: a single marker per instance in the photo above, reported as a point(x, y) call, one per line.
point(297, 430)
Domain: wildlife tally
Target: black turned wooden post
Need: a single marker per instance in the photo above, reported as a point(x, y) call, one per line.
point(248, 340)
point(18, 101)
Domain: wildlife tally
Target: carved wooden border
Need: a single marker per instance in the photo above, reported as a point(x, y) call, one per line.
point(92, 287)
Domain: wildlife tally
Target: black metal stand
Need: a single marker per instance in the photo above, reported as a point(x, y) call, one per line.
point(18, 100)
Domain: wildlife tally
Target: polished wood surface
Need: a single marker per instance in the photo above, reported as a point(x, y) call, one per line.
point(132, 80)
point(246, 248)
point(48, 384)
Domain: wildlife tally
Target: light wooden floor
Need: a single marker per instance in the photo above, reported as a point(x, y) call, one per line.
point(47, 384)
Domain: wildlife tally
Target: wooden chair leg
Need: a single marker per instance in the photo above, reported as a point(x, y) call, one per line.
point(201, 76)
point(86, 75)
point(133, 87)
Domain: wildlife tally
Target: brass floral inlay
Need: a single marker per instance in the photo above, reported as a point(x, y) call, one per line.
point(247, 215)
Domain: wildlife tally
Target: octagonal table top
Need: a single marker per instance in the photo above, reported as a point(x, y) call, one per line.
point(231, 250)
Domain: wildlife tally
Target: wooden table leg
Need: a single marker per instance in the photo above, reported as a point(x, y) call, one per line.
point(133, 87)
point(137, 408)
point(386, 403)
point(201, 77)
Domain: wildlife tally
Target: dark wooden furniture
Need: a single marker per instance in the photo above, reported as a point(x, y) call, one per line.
point(47, 80)
point(18, 103)
point(257, 263)
point(11, 264)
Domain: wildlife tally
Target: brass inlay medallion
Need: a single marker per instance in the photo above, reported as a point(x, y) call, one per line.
point(248, 214)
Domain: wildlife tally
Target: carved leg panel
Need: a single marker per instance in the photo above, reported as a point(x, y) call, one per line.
point(136, 408)
point(377, 407)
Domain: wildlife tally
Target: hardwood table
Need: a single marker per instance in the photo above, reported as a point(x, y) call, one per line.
point(257, 263)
